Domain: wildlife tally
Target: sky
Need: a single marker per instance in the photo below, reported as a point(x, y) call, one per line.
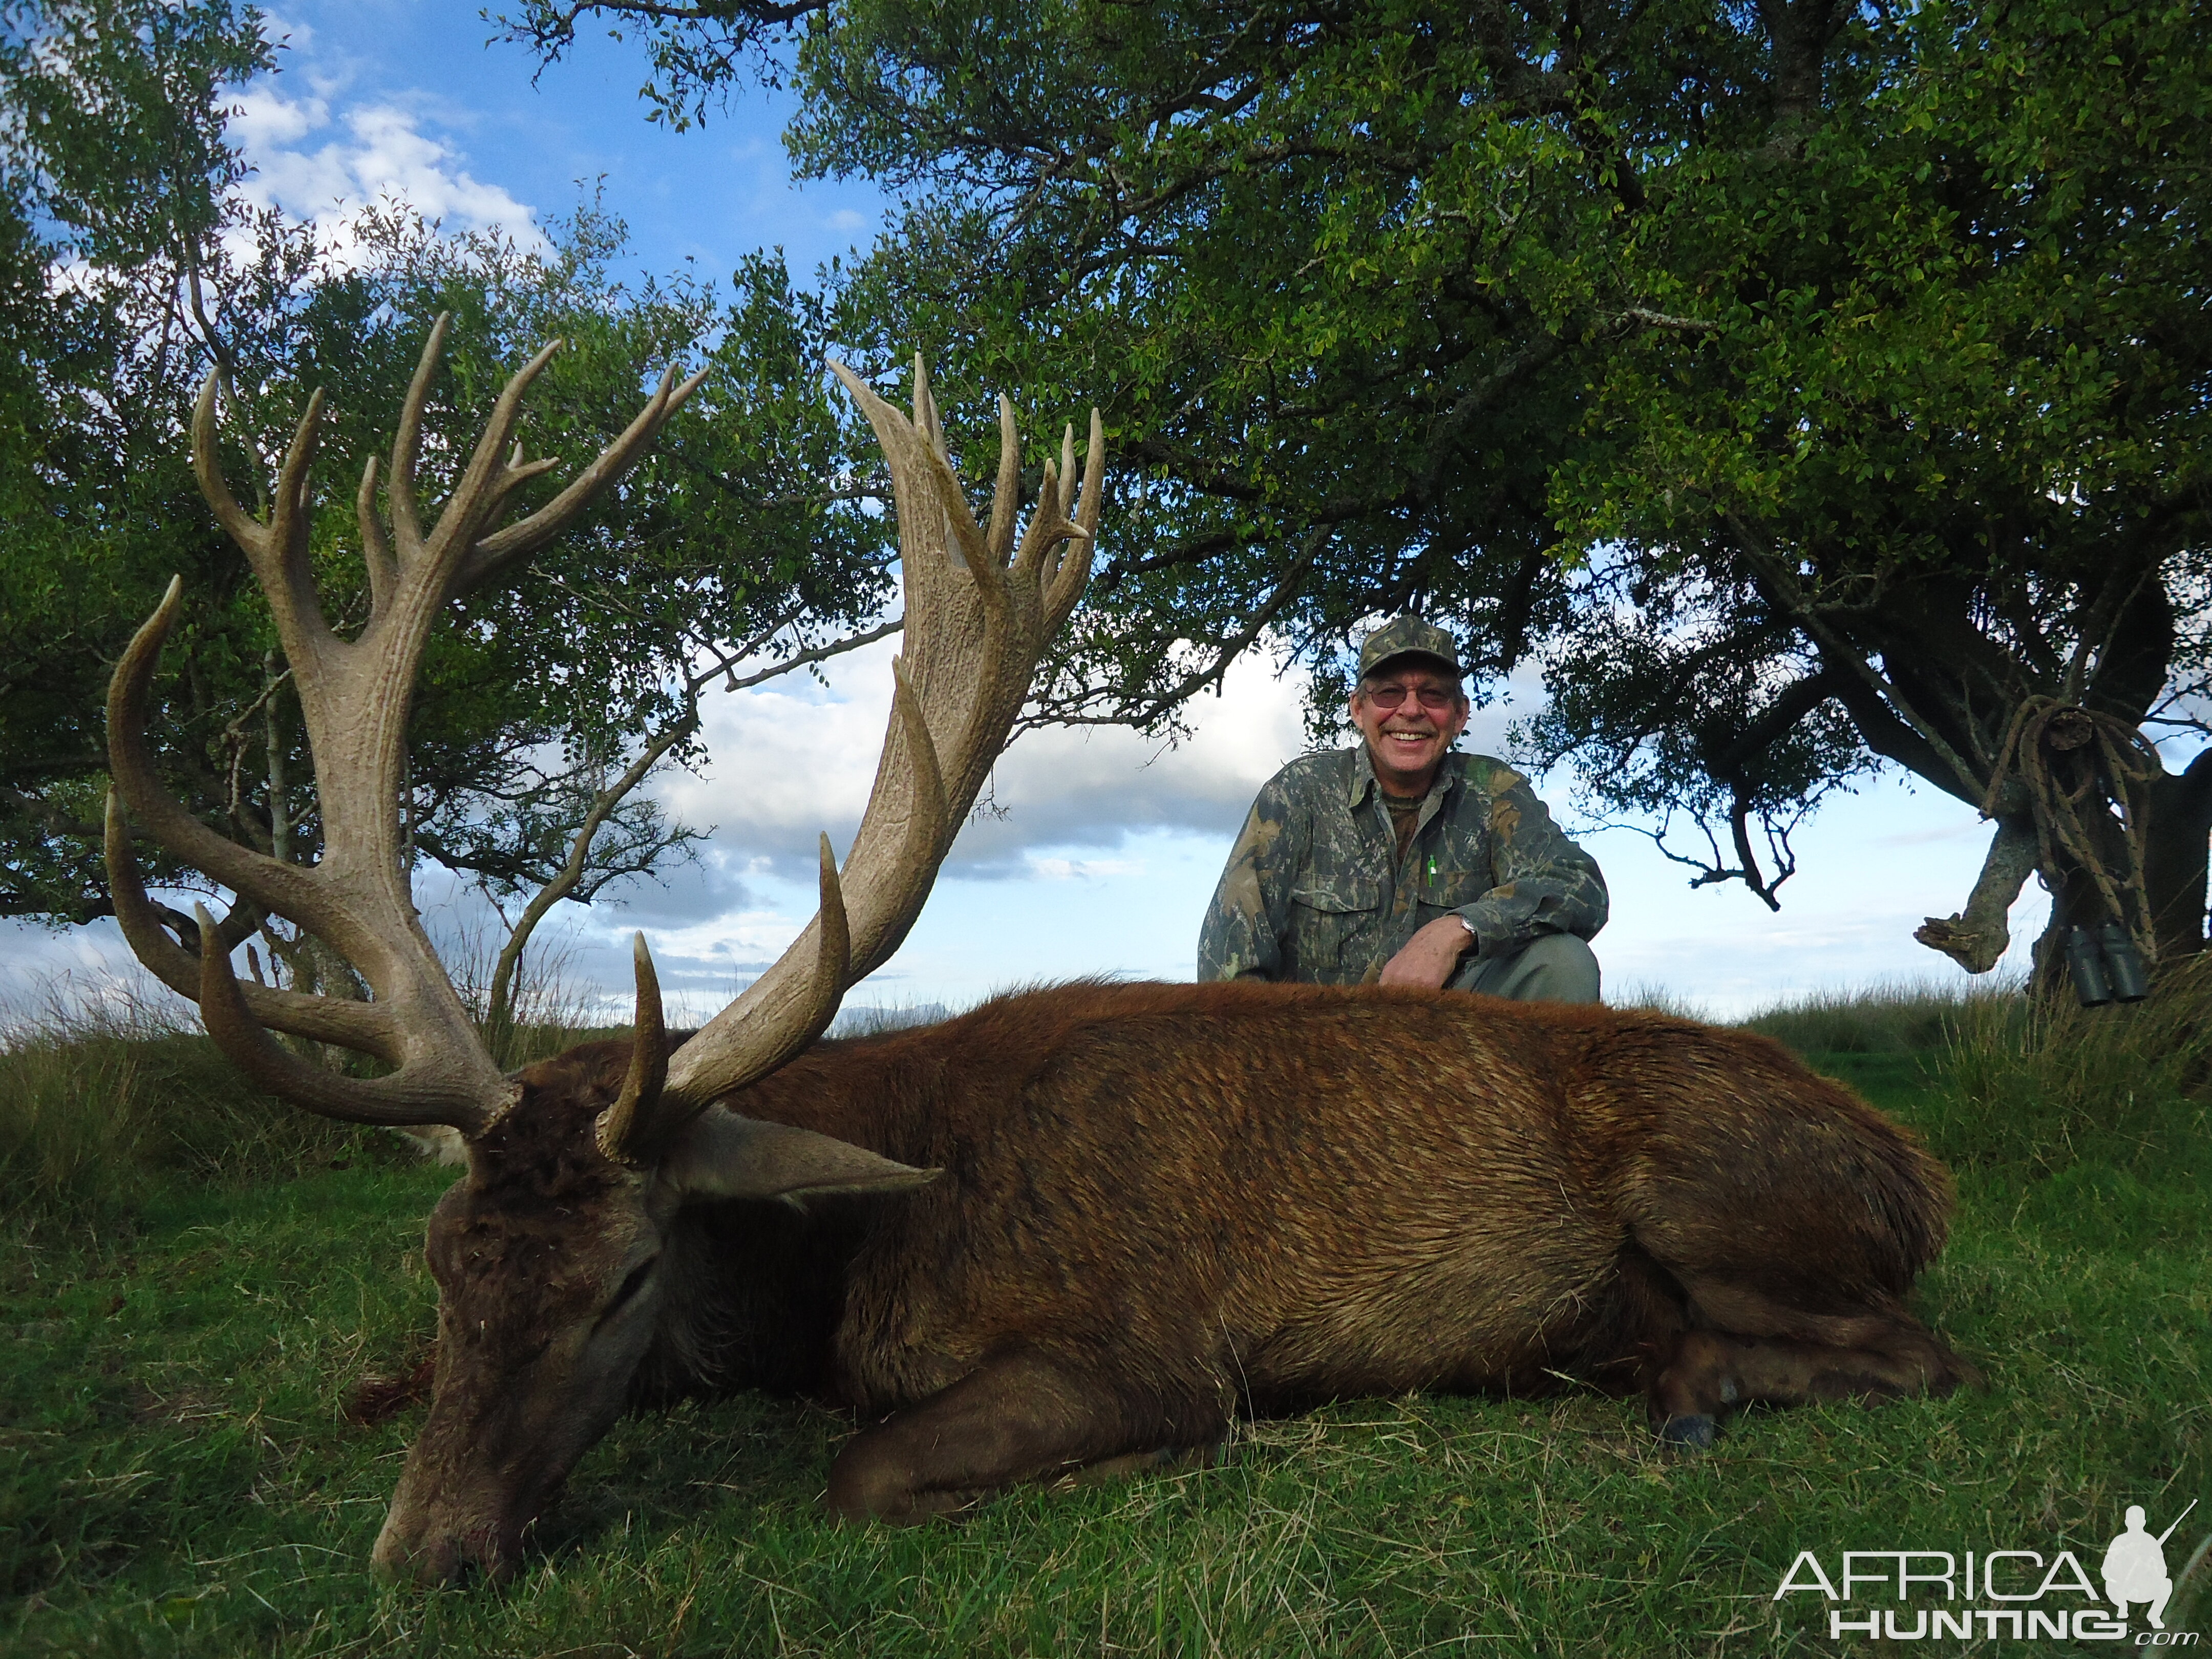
point(1104, 847)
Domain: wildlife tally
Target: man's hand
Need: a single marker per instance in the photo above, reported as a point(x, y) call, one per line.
point(1430, 954)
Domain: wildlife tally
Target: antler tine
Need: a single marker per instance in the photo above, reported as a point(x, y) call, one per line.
point(375, 550)
point(485, 482)
point(931, 825)
point(270, 883)
point(278, 550)
point(288, 520)
point(518, 472)
point(624, 1128)
point(788, 1013)
point(1006, 493)
point(1073, 568)
point(1048, 527)
point(833, 959)
point(989, 571)
point(926, 421)
point(363, 1026)
point(243, 527)
point(501, 548)
point(1094, 476)
point(973, 637)
point(420, 1091)
point(406, 522)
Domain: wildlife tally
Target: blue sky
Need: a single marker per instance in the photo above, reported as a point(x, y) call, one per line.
point(1108, 846)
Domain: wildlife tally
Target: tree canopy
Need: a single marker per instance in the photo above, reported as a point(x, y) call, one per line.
point(1804, 387)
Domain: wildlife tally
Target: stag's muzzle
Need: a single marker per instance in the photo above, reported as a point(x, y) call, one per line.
point(460, 1508)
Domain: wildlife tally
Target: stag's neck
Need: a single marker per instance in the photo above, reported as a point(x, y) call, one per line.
point(753, 1293)
point(755, 1289)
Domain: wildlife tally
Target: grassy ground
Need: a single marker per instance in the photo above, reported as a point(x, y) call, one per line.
point(179, 1340)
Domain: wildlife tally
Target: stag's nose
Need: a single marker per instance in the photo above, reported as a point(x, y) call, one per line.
point(398, 1562)
point(418, 1551)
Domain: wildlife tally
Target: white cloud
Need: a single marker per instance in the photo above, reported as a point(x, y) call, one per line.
point(324, 165)
point(263, 119)
point(792, 759)
point(286, 30)
point(1052, 869)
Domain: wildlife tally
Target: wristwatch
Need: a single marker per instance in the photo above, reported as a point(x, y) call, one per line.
point(1474, 938)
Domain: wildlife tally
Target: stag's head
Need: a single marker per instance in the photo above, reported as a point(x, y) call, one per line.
point(547, 1252)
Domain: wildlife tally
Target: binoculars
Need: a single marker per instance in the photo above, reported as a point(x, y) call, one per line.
point(2106, 965)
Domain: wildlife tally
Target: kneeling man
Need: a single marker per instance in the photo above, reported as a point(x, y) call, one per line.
point(1402, 863)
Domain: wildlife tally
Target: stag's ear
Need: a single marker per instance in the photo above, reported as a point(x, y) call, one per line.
point(722, 1155)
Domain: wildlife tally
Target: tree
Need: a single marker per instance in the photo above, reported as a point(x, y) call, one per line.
point(134, 270)
point(1808, 388)
point(114, 184)
point(1929, 487)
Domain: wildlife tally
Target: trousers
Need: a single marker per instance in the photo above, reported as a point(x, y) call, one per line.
point(1552, 967)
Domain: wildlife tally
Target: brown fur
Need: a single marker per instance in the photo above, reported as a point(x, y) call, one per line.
point(1164, 1204)
point(1301, 1191)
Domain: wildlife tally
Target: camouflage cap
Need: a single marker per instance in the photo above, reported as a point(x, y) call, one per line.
point(1407, 635)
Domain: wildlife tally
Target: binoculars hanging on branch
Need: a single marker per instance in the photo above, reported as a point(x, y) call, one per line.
point(2106, 965)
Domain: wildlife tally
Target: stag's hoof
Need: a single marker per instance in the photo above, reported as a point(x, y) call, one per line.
point(1693, 1432)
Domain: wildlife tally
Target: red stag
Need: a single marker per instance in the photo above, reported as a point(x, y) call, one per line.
point(1075, 1227)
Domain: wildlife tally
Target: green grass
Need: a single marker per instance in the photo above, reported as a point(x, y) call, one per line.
point(98, 1114)
point(178, 1474)
point(1892, 1018)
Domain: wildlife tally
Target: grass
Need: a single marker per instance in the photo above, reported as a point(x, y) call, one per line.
point(1890, 1018)
point(197, 1281)
point(102, 1110)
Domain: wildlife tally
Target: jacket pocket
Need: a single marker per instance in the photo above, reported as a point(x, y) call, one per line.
point(1335, 927)
point(1450, 889)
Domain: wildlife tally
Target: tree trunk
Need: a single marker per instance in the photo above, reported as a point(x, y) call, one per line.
point(2178, 827)
point(2179, 837)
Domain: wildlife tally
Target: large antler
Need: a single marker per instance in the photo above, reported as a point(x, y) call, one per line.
point(354, 696)
point(979, 613)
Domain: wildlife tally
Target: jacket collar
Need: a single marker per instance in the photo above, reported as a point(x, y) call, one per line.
point(1361, 782)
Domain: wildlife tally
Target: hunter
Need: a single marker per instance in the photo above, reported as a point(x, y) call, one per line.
point(1402, 863)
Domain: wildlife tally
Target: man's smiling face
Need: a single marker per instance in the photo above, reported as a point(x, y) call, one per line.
point(1407, 742)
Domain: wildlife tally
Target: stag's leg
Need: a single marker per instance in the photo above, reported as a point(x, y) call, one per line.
point(1749, 1345)
point(1018, 1417)
point(1713, 1369)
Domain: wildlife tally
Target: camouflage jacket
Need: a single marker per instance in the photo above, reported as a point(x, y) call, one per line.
point(1314, 891)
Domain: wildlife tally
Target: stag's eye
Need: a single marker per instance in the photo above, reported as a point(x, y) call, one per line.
point(631, 1286)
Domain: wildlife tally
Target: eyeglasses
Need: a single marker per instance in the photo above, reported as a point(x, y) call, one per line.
point(1434, 698)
